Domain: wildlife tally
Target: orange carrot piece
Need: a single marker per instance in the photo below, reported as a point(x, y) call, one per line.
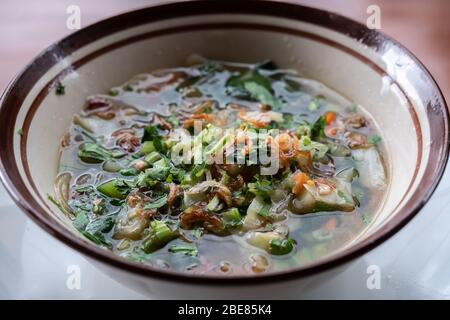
point(330, 117)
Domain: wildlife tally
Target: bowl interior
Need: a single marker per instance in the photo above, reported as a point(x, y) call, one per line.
point(381, 82)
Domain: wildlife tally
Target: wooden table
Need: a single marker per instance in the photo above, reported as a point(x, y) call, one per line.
point(27, 27)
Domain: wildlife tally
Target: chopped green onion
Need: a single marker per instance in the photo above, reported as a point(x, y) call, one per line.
point(186, 250)
point(281, 247)
point(160, 235)
point(156, 204)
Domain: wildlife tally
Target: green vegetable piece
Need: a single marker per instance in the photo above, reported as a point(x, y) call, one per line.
point(94, 153)
point(265, 211)
point(115, 188)
point(147, 147)
point(152, 157)
point(319, 149)
point(214, 205)
point(318, 128)
point(102, 224)
point(186, 250)
point(262, 187)
point(256, 85)
point(159, 171)
point(157, 203)
point(280, 247)
point(151, 133)
point(20, 132)
point(232, 218)
point(128, 172)
point(160, 235)
point(81, 221)
point(98, 239)
point(303, 130)
point(59, 206)
point(260, 93)
point(60, 89)
point(197, 233)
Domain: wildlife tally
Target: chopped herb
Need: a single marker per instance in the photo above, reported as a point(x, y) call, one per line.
point(281, 247)
point(81, 221)
point(97, 239)
point(265, 211)
point(116, 202)
point(156, 204)
point(214, 205)
point(151, 133)
point(256, 85)
point(197, 233)
point(20, 132)
point(261, 94)
point(58, 205)
point(102, 224)
point(138, 255)
point(94, 153)
point(262, 187)
point(303, 130)
point(232, 218)
point(160, 235)
point(186, 250)
point(116, 188)
point(318, 128)
point(128, 172)
point(60, 89)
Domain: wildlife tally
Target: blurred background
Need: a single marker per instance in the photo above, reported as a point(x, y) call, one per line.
point(27, 27)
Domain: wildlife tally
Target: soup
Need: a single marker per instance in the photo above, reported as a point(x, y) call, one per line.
point(221, 168)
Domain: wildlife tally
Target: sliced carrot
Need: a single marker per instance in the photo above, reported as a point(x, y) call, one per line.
point(299, 180)
point(330, 225)
point(330, 117)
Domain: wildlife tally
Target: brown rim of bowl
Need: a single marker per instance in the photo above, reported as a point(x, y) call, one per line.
point(12, 98)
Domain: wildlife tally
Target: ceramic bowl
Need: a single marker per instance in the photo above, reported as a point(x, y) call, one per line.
point(363, 65)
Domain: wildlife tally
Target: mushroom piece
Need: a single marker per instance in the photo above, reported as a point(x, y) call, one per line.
point(197, 215)
point(133, 220)
point(208, 189)
point(127, 139)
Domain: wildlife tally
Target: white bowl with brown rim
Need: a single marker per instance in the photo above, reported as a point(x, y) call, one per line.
point(363, 65)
